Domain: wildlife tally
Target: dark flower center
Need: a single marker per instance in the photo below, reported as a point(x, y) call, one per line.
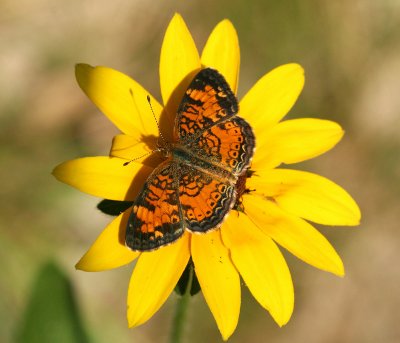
point(241, 189)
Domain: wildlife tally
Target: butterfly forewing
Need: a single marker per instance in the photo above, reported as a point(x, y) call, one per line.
point(156, 217)
point(207, 101)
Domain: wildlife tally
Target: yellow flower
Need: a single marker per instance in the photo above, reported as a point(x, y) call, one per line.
point(276, 210)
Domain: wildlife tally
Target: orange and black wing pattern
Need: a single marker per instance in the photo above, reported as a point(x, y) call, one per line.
point(156, 217)
point(208, 126)
point(207, 101)
point(205, 199)
point(228, 145)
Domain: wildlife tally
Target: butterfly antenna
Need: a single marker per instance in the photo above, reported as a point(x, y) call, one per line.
point(139, 157)
point(154, 116)
point(159, 131)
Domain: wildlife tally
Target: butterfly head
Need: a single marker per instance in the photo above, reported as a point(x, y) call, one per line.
point(164, 147)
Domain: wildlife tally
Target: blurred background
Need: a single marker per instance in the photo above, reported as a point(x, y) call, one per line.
point(351, 53)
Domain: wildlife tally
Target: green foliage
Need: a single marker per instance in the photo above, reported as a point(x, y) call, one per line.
point(52, 314)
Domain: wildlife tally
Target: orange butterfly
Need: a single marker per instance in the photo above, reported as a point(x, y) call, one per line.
point(195, 188)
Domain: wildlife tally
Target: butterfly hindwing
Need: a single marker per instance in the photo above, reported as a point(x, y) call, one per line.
point(229, 145)
point(205, 199)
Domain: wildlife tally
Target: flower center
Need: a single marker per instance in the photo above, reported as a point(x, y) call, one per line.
point(241, 189)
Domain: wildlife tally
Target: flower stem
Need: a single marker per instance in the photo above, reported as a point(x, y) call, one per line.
point(181, 309)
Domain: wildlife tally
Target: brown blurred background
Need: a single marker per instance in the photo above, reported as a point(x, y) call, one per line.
point(351, 53)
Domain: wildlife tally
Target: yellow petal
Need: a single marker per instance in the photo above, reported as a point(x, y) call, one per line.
point(120, 98)
point(307, 195)
point(104, 177)
point(155, 275)
point(296, 140)
point(109, 250)
point(261, 265)
point(218, 279)
point(130, 148)
point(222, 52)
point(271, 98)
point(294, 234)
point(179, 62)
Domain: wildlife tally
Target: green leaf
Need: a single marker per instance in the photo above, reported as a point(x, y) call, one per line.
point(113, 207)
point(52, 314)
point(181, 286)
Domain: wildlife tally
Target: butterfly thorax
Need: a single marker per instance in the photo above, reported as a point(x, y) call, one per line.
point(183, 155)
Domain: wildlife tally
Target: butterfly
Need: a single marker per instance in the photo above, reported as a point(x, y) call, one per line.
point(196, 186)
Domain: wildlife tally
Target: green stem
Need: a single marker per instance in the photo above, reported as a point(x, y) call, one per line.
point(181, 310)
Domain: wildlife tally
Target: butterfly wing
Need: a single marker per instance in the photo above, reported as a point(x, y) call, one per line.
point(207, 101)
point(205, 199)
point(208, 127)
point(229, 145)
point(156, 217)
